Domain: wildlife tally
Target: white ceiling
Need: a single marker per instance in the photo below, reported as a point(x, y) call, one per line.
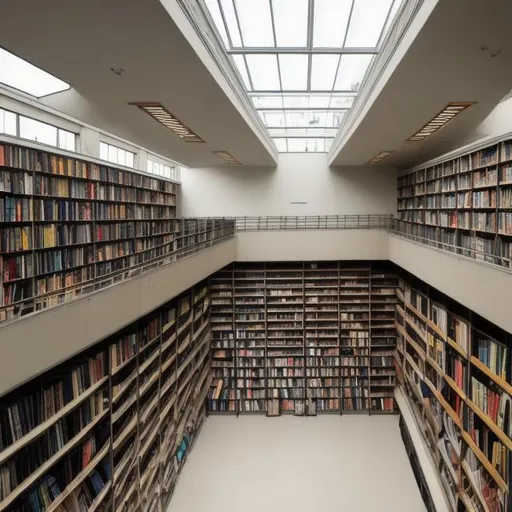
point(79, 42)
point(462, 53)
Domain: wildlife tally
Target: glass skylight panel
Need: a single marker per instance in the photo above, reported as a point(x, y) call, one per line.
point(264, 72)
point(291, 23)
point(323, 71)
point(301, 91)
point(366, 23)
point(22, 75)
point(255, 23)
point(281, 145)
point(330, 22)
point(302, 132)
point(273, 118)
point(214, 9)
point(351, 71)
point(294, 71)
point(228, 10)
point(306, 145)
point(240, 64)
point(344, 101)
point(268, 101)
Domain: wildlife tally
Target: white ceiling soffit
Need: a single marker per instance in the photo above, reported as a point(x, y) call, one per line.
point(453, 51)
point(302, 61)
point(82, 43)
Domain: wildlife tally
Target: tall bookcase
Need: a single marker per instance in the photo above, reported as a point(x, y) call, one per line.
point(110, 429)
point(457, 372)
point(464, 202)
point(303, 338)
point(66, 221)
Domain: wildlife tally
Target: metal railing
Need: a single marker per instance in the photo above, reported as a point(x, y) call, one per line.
point(316, 222)
point(498, 261)
point(195, 235)
point(371, 221)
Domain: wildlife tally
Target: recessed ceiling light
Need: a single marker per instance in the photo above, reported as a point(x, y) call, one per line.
point(377, 158)
point(158, 112)
point(226, 157)
point(448, 113)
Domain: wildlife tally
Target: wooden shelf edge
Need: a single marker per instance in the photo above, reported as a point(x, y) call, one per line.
point(28, 482)
point(488, 421)
point(40, 429)
point(501, 382)
point(485, 462)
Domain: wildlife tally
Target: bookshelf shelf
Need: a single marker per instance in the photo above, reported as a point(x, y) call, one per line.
point(464, 403)
point(126, 454)
point(472, 216)
point(294, 337)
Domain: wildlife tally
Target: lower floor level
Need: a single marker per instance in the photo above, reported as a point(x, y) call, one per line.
point(326, 463)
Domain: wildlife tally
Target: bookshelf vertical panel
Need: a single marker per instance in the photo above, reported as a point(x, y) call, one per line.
point(459, 389)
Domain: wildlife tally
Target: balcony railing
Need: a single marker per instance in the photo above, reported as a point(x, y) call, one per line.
point(197, 234)
point(193, 235)
point(435, 239)
point(280, 223)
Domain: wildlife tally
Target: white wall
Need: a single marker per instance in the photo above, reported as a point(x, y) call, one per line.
point(480, 287)
point(37, 342)
point(239, 191)
point(313, 245)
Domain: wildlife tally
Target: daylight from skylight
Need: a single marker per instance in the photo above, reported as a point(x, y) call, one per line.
point(22, 75)
point(302, 61)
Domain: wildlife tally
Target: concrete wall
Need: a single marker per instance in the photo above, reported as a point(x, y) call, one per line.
point(304, 178)
point(312, 245)
point(484, 289)
point(33, 344)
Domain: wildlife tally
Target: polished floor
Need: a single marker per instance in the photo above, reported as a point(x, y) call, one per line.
point(323, 463)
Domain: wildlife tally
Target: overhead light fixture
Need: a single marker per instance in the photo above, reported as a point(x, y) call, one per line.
point(158, 112)
point(377, 158)
point(226, 157)
point(448, 113)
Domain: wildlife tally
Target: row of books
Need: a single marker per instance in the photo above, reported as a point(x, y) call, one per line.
point(42, 162)
point(22, 416)
point(494, 403)
point(493, 355)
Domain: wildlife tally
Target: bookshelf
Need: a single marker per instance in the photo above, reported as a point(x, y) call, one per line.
point(456, 369)
point(66, 222)
point(464, 202)
point(110, 429)
point(303, 338)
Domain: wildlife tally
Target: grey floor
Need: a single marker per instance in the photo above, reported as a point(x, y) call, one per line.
point(323, 463)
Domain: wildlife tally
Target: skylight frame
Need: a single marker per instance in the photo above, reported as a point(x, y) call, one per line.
point(274, 30)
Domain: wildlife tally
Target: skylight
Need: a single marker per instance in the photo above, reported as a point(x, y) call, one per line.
point(22, 75)
point(302, 61)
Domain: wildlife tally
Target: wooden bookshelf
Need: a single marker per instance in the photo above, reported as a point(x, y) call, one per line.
point(110, 429)
point(464, 202)
point(66, 221)
point(303, 338)
point(461, 391)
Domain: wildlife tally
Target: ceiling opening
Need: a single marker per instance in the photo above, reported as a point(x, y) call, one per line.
point(302, 61)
